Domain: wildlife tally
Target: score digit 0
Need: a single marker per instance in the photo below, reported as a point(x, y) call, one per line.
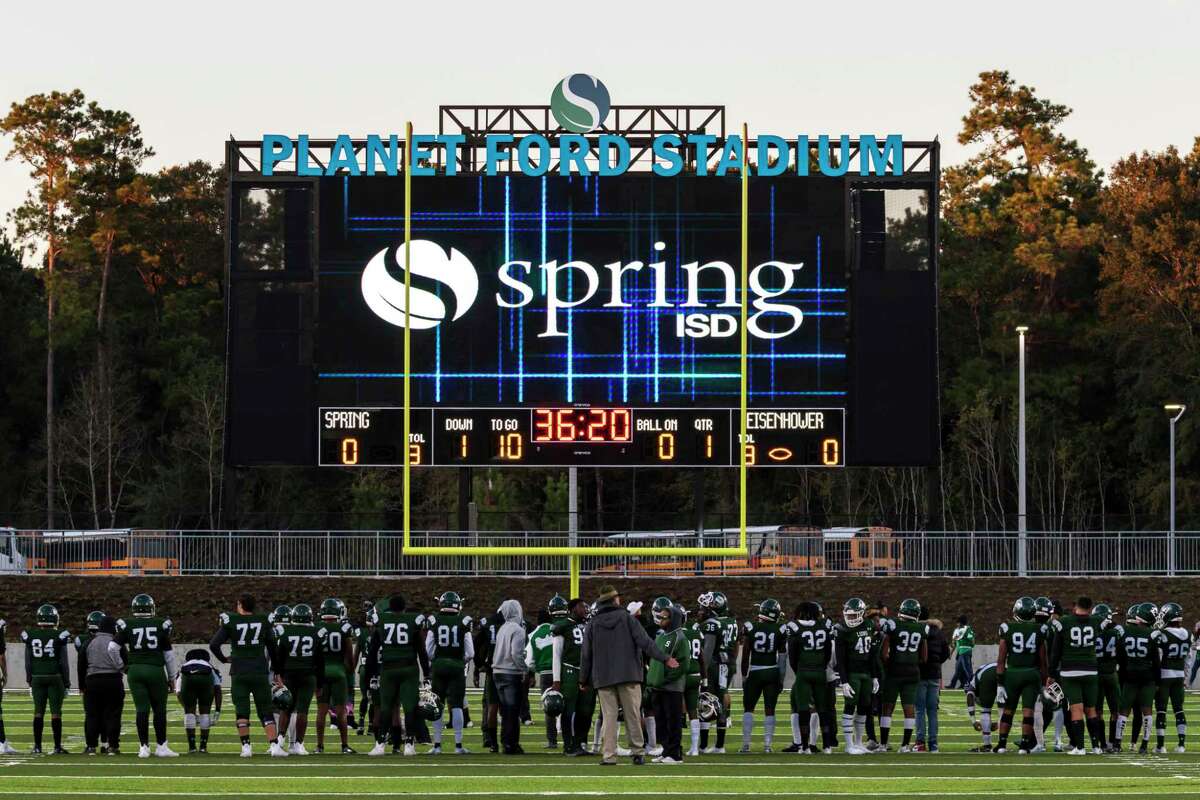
point(666, 447)
point(512, 447)
point(349, 452)
point(830, 452)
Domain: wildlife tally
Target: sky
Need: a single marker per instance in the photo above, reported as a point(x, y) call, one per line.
point(192, 75)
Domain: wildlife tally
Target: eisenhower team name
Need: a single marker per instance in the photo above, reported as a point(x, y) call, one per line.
point(535, 154)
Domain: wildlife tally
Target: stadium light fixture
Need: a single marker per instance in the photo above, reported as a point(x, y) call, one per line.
point(1022, 541)
point(1176, 411)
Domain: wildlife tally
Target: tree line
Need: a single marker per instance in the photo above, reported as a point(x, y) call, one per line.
point(112, 369)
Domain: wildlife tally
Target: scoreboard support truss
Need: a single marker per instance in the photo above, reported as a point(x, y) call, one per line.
point(573, 553)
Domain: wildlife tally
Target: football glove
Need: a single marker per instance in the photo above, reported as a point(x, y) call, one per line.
point(374, 684)
point(847, 691)
point(874, 685)
point(1001, 695)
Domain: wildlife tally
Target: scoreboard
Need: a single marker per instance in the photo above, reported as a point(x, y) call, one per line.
point(581, 436)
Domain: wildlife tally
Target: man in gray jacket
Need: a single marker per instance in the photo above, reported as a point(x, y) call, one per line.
point(508, 671)
point(105, 695)
point(614, 645)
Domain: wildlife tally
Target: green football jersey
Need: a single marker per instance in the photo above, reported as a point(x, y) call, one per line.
point(1022, 640)
point(249, 636)
point(571, 632)
point(297, 647)
point(362, 637)
point(1173, 647)
point(450, 633)
point(696, 639)
point(860, 647)
point(1136, 641)
point(398, 636)
point(335, 636)
point(729, 637)
point(1106, 650)
point(809, 640)
point(1075, 643)
point(146, 639)
point(765, 641)
point(904, 647)
point(44, 646)
point(541, 644)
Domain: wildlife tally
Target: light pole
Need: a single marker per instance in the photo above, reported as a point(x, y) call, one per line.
point(1022, 542)
point(1176, 411)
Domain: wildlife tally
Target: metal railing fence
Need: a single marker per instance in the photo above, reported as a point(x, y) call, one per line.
point(778, 554)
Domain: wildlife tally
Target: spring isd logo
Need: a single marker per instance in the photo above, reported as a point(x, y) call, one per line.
point(580, 103)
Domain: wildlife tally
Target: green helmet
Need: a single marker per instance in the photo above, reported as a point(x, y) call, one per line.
point(854, 611)
point(1145, 613)
point(558, 608)
point(1043, 607)
point(302, 614)
point(1131, 613)
point(1102, 612)
point(1025, 608)
point(552, 702)
point(281, 698)
point(449, 602)
point(429, 705)
point(281, 615)
point(720, 603)
point(332, 608)
point(47, 616)
point(142, 606)
point(1170, 612)
point(94, 619)
point(909, 609)
point(769, 610)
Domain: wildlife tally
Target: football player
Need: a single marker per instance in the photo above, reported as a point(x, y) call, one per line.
point(91, 625)
point(300, 666)
point(1047, 612)
point(369, 704)
point(195, 688)
point(1073, 660)
point(1021, 671)
point(539, 659)
point(485, 643)
point(1106, 675)
point(397, 660)
point(720, 638)
point(578, 706)
point(981, 692)
point(6, 749)
point(763, 648)
point(147, 637)
point(857, 662)
point(47, 673)
point(449, 646)
point(691, 690)
point(809, 649)
point(903, 650)
point(1174, 642)
point(1138, 658)
point(251, 639)
point(336, 636)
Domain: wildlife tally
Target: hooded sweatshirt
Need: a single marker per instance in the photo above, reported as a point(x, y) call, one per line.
point(938, 649)
point(674, 642)
point(614, 644)
point(508, 657)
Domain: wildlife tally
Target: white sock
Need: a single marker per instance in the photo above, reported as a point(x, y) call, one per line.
point(1181, 729)
point(1121, 720)
point(1147, 724)
point(795, 719)
point(189, 720)
point(694, 729)
point(1058, 725)
point(860, 728)
point(985, 720)
point(814, 729)
point(848, 729)
point(438, 726)
point(768, 730)
point(885, 723)
point(205, 722)
point(456, 719)
point(910, 724)
point(747, 727)
point(596, 731)
point(651, 732)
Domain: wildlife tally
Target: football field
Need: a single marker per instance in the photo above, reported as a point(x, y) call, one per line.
point(951, 773)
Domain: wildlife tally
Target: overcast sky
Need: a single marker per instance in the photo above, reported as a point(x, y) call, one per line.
point(192, 74)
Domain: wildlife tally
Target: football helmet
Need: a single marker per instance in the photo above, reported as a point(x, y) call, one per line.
point(1145, 613)
point(94, 619)
point(1171, 613)
point(1131, 613)
point(708, 707)
point(552, 702)
point(332, 608)
point(909, 609)
point(302, 614)
point(1024, 609)
point(661, 609)
point(557, 608)
point(142, 606)
point(450, 603)
point(769, 610)
point(1102, 612)
point(1053, 693)
point(47, 616)
point(1044, 607)
point(854, 611)
point(281, 615)
point(428, 703)
point(720, 603)
point(281, 698)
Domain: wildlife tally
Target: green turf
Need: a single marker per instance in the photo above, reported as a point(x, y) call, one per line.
point(951, 773)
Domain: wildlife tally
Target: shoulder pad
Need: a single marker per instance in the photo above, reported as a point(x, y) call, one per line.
point(278, 630)
point(167, 624)
point(3, 625)
point(223, 619)
point(925, 629)
point(322, 633)
point(467, 620)
point(64, 636)
point(348, 628)
point(373, 616)
point(24, 636)
point(78, 642)
point(121, 625)
point(1003, 628)
point(358, 631)
point(748, 626)
point(1119, 629)
point(1056, 625)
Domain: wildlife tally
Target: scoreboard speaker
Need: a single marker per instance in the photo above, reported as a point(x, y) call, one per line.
point(893, 407)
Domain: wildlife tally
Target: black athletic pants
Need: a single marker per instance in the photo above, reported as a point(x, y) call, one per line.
point(103, 703)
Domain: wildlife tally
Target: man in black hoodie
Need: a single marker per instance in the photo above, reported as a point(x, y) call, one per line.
point(613, 646)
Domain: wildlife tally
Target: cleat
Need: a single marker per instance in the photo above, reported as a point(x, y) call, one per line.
point(657, 750)
point(1038, 748)
point(462, 751)
point(247, 751)
point(87, 751)
point(1097, 751)
point(711, 751)
point(767, 749)
point(204, 748)
point(380, 749)
point(983, 748)
point(144, 751)
point(1144, 749)
point(60, 751)
point(855, 750)
point(695, 752)
point(906, 749)
point(7, 749)
point(668, 760)
point(1058, 747)
point(791, 748)
point(36, 751)
point(624, 752)
point(348, 750)
point(1077, 751)
point(744, 750)
point(163, 751)
point(827, 751)
point(276, 751)
point(298, 749)
point(1160, 751)
point(409, 749)
point(1178, 749)
point(436, 750)
point(320, 749)
point(1023, 752)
